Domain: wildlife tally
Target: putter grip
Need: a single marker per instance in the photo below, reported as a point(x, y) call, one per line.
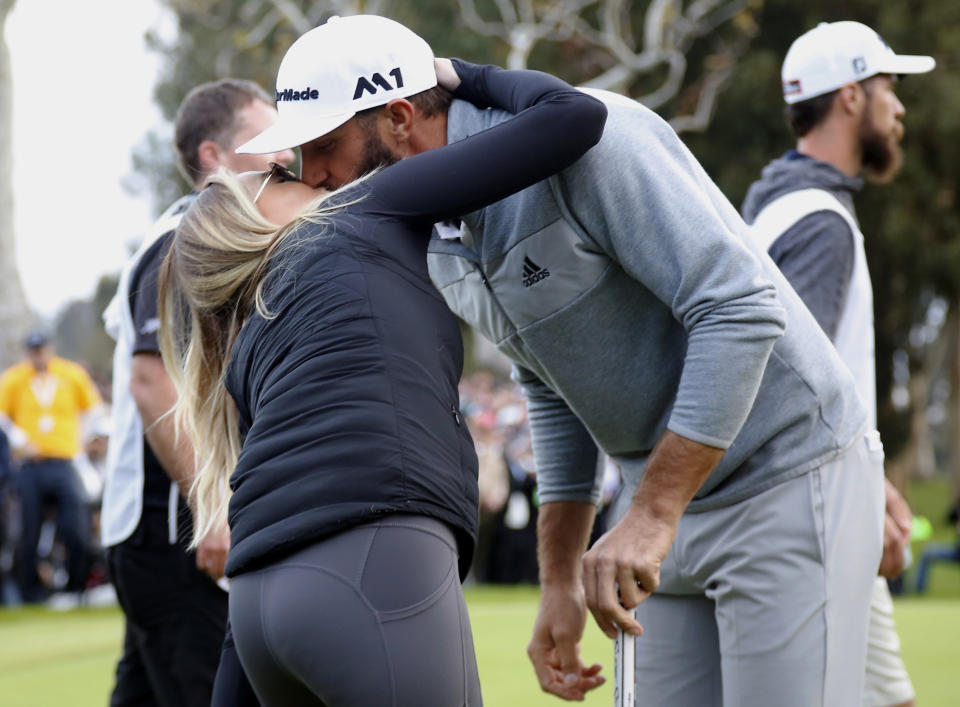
point(624, 669)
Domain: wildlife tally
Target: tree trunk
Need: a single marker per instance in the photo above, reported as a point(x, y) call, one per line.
point(916, 459)
point(953, 412)
point(14, 313)
point(924, 462)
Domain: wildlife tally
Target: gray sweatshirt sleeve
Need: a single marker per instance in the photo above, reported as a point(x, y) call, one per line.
point(560, 441)
point(645, 201)
point(816, 256)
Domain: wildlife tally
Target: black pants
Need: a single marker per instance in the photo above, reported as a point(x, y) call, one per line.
point(176, 619)
point(58, 481)
point(232, 688)
point(369, 617)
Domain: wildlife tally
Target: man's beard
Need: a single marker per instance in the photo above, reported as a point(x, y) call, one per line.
point(375, 153)
point(881, 155)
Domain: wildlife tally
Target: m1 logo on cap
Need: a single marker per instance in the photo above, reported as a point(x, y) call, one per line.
point(859, 65)
point(364, 84)
point(791, 88)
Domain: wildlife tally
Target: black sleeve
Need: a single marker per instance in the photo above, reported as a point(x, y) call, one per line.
point(816, 256)
point(554, 126)
point(143, 296)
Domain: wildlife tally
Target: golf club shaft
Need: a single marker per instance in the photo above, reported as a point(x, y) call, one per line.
point(624, 668)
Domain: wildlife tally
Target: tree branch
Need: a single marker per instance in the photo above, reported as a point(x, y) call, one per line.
point(262, 30)
point(706, 101)
point(292, 14)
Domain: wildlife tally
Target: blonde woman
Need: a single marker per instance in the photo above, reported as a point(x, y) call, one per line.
point(320, 382)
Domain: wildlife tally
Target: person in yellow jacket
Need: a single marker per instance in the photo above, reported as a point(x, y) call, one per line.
point(43, 401)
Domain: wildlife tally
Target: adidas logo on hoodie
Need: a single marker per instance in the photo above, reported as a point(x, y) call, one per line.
point(533, 273)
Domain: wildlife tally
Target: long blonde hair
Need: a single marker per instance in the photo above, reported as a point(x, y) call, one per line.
point(213, 274)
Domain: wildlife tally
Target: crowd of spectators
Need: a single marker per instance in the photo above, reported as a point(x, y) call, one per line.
point(497, 417)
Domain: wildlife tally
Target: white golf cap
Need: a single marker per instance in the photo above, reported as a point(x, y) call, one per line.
point(834, 54)
point(340, 68)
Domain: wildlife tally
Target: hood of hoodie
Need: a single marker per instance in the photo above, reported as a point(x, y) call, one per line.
point(795, 171)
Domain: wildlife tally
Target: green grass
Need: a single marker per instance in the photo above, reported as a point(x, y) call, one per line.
point(502, 619)
point(49, 658)
point(929, 631)
point(54, 659)
point(932, 498)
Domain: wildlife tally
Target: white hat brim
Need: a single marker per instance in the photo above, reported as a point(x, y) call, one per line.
point(290, 133)
point(906, 64)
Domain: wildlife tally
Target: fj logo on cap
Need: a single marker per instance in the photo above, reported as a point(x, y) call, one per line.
point(364, 84)
point(859, 65)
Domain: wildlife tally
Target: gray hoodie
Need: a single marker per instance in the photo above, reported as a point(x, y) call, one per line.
point(630, 300)
point(816, 254)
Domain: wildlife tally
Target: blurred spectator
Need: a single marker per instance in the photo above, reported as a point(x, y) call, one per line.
point(496, 414)
point(6, 470)
point(42, 403)
point(91, 465)
point(91, 462)
point(939, 552)
point(9, 526)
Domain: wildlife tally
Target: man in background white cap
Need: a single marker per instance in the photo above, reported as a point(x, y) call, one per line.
point(838, 83)
point(640, 320)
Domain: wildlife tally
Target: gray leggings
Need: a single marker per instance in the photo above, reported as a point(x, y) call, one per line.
point(371, 616)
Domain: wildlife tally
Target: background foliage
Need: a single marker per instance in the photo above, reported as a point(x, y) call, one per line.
point(732, 50)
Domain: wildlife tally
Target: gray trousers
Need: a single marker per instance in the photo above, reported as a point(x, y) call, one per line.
point(373, 616)
point(765, 602)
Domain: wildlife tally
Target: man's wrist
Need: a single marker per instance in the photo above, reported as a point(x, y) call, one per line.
point(677, 468)
point(563, 529)
point(656, 510)
point(562, 580)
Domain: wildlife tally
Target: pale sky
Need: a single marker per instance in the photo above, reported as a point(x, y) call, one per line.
point(83, 81)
